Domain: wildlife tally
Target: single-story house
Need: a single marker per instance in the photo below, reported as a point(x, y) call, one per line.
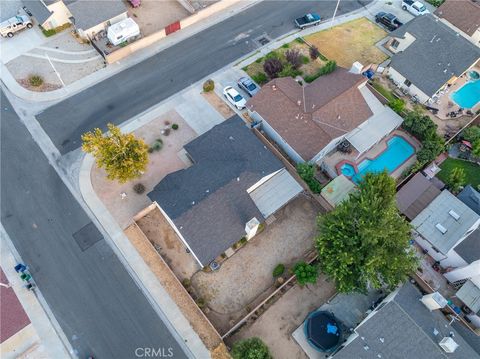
point(309, 121)
point(407, 324)
point(428, 56)
point(471, 198)
point(233, 185)
point(442, 226)
point(463, 16)
point(416, 195)
point(87, 16)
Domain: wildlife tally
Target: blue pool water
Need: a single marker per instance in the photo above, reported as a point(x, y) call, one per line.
point(398, 151)
point(468, 95)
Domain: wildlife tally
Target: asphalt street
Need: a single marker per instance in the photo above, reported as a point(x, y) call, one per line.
point(136, 89)
point(99, 307)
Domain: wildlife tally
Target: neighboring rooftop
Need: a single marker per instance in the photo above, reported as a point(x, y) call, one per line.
point(437, 54)
point(463, 14)
point(405, 328)
point(38, 10)
point(208, 202)
point(471, 198)
point(337, 190)
point(89, 13)
point(309, 117)
point(445, 221)
point(469, 294)
point(469, 248)
point(416, 195)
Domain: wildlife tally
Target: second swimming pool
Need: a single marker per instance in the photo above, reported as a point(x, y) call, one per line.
point(468, 95)
point(397, 152)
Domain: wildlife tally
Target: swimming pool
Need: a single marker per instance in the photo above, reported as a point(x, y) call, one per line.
point(468, 95)
point(398, 151)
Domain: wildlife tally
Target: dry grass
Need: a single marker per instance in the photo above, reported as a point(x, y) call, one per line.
point(350, 42)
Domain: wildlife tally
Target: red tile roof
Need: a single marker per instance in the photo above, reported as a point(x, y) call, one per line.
point(309, 117)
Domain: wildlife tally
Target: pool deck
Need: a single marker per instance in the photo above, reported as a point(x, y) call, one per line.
point(334, 161)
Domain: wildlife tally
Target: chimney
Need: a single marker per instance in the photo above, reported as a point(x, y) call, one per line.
point(434, 301)
point(251, 228)
point(448, 344)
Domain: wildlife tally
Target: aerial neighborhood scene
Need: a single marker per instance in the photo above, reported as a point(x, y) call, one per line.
point(240, 179)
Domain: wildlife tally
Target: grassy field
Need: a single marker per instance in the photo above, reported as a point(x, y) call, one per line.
point(472, 170)
point(350, 42)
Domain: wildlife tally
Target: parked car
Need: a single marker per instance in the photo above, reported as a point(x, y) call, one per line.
point(307, 20)
point(248, 86)
point(234, 97)
point(414, 7)
point(9, 27)
point(388, 20)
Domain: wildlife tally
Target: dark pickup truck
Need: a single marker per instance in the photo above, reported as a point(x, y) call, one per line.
point(308, 20)
point(388, 20)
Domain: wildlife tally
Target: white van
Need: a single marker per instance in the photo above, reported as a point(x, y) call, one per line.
point(14, 24)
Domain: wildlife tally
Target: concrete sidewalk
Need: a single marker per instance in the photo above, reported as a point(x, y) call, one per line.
point(113, 69)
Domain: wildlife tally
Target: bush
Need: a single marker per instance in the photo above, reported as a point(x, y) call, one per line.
point(208, 86)
point(289, 70)
point(260, 59)
point(305, 273)
point(314, 53)
point(56, 30)
point(456, 179)
point(272, 67)
point(471, 134)
point(293, 58)
point(35, 80)
point(174, 127)
point(156, 146)
point(139, 188)
point(272, 55)
point(285, 46)
point(186, 282)
point(307, 172)
point(305, 59)
point(329, 67)
point(201, 302)
point(260, 78)
point(278, 270)
point(431, 148)
point(397, 105)
point(299, 40)
point(419, 125)
point(251, 348)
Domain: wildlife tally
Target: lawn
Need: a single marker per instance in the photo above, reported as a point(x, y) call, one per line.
point(472, 170)
point(350, 42)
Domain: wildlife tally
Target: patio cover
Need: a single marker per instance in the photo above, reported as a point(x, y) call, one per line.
point(372, 131)
point(470, 295)
point(337, 190)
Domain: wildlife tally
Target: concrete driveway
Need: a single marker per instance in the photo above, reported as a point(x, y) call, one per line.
point(22, 42)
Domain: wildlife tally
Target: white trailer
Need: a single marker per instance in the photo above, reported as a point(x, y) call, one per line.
point(122, 31)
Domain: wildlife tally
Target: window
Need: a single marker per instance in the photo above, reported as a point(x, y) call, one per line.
point(395, 43)
point(407, 83)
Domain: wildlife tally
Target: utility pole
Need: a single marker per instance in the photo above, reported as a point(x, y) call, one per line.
point(335, 12)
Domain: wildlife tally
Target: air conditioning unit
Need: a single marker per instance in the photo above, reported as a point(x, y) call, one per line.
point(448, 344)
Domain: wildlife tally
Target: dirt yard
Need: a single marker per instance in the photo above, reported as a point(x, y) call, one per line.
point(248, 273)
point(218, 104)
point(350, 42)
point(276, 325)
point(167, 243)
point(161, 163)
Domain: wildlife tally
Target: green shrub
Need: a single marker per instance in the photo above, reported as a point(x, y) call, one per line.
point(156, 146)
point(383, 91)
point(208, 85)
point(397, 105)
point(139, 188)
point(305, 59)
point(436, 3)
point(307, 172)
point(272, 55)
point(35, 80)
point(201, 302)
point(289, 70)
point(260, 59)
point(174, 126)
point(186, 282)
point(251, 348)
point(471, 134)
point(260, 78)
point(285, 46)
point(278, 270)
point(56, 30)
point(329, 67)
point(305, 273)
point(299, 40)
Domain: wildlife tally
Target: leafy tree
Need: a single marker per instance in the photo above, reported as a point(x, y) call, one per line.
point(397, 105)
point(251, 348)
point(456, 179)
point(430, 149)
point(364, 242)
point(314, 53)
point(272, 67)
point(419, 125)
point(307, 172)
point(471, 134)
point(305, 273)
point(476, 148)
point(294, 58)
point(123, 156)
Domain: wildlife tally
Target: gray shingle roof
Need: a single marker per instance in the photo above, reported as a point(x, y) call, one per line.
point(438, 212)
point(208, 202)
point(404, 328)
point(471, 198)
point(39, 11)
point(469, 248)
point(89, 13)
point(437, 54)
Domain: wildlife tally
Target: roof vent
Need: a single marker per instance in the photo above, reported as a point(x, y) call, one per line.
point(299, 102)
point(366, 347)
point(441, 228)
point(274, 88)
point(454, 214)
point(448, 344)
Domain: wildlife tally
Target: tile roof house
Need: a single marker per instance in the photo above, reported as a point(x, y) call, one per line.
point(416, 195)
point(234, 184)
point(308, 121)
point(462, 15)
point(402, 326)
point(87, 16)
point(442, 225)
point(428, 55)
